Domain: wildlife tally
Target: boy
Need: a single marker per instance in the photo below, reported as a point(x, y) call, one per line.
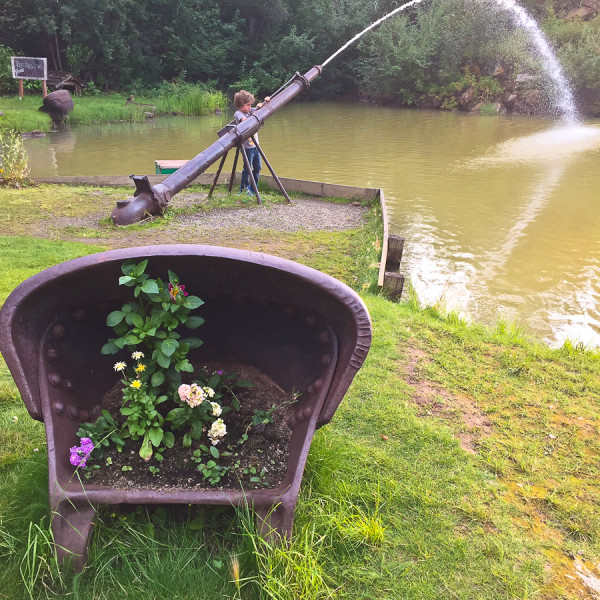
point(243, 102)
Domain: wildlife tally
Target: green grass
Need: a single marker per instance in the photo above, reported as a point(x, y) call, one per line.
point(462, 463)
point(23, 115)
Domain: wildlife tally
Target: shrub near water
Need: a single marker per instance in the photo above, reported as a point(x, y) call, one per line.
point(188, 99)
point(14, 166)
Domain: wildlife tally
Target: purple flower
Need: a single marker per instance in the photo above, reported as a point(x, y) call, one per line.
point(79, 454)
point(219, 372)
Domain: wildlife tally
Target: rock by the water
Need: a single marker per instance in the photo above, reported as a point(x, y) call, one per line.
point(58, 105)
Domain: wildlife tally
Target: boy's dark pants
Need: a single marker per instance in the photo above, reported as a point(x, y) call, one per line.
point(254, 160)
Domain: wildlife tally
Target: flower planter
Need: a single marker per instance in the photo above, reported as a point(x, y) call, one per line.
point(305, 330)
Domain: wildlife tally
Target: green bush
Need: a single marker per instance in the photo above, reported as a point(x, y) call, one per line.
point(14, 166)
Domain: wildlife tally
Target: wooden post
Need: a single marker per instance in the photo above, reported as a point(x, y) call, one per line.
point(393, 280)
point(393, 283)
point(394, 252)
point(44, 89)
point(20, 89)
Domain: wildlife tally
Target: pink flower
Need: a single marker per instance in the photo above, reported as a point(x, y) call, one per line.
point(185, 392)
point(175, 289)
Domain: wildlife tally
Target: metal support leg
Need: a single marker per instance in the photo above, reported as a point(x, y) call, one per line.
point(72, 527)
point(279, 184)
point(232, 178)
point(214, 183)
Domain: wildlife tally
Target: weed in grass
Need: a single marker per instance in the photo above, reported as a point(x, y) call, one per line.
point(39, 565)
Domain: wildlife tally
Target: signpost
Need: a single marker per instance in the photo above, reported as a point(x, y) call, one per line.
point(26, 67)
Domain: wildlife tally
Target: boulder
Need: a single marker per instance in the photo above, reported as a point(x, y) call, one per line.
point(499, 71)
point(510, 100)
point(525, 78)
point(58, 105)
point(585, 13)
point(466, 98)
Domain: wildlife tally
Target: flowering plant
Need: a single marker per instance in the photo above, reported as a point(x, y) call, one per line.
point(147, 328)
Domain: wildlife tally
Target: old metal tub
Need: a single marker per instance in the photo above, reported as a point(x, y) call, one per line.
point(304, 329)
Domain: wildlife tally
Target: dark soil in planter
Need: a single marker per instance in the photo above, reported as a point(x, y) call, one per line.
point(259, 462)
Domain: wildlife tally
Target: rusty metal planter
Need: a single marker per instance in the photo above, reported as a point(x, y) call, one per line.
point(304, 329)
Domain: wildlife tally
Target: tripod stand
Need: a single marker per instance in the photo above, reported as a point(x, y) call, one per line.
point(240, 148)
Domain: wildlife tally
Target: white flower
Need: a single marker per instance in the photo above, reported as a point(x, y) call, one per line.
point(216, 409)
point(217, 431)
point(137, 355)
point(120, 366)
point(210, 393)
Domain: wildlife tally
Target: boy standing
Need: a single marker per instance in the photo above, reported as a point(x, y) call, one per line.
point(243, 102)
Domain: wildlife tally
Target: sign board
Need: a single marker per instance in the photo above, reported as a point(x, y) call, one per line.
point(24, 67)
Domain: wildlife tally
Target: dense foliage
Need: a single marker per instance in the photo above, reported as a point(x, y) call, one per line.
point(258, 44)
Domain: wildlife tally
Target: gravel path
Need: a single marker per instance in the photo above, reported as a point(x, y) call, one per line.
point(306, 214)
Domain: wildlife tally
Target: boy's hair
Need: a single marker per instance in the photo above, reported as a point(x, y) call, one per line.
point(243, 97)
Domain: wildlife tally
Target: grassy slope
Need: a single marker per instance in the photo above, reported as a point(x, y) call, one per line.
point(461, 463)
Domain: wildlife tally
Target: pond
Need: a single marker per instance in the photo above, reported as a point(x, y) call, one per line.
point(500, 214)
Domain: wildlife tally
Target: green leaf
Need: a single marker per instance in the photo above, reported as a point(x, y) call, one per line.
point(126, 280)
point(146, 448)
point(156, 436)
point(187, 440)
point(114, 318)
point(169, 346)
point(185, 366)
point(139, 268)
point(157, 379)
point(214, 451)
point(194, 322)
point(193, 342)
point(135, 319)
point(127, 267)
point(131, 340)
point(109, 348)
point(192, 302)
point(168, 439)
point(150, 287)
point(173, 279)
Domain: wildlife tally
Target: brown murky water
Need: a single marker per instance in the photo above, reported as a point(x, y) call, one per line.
point(501, 214)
